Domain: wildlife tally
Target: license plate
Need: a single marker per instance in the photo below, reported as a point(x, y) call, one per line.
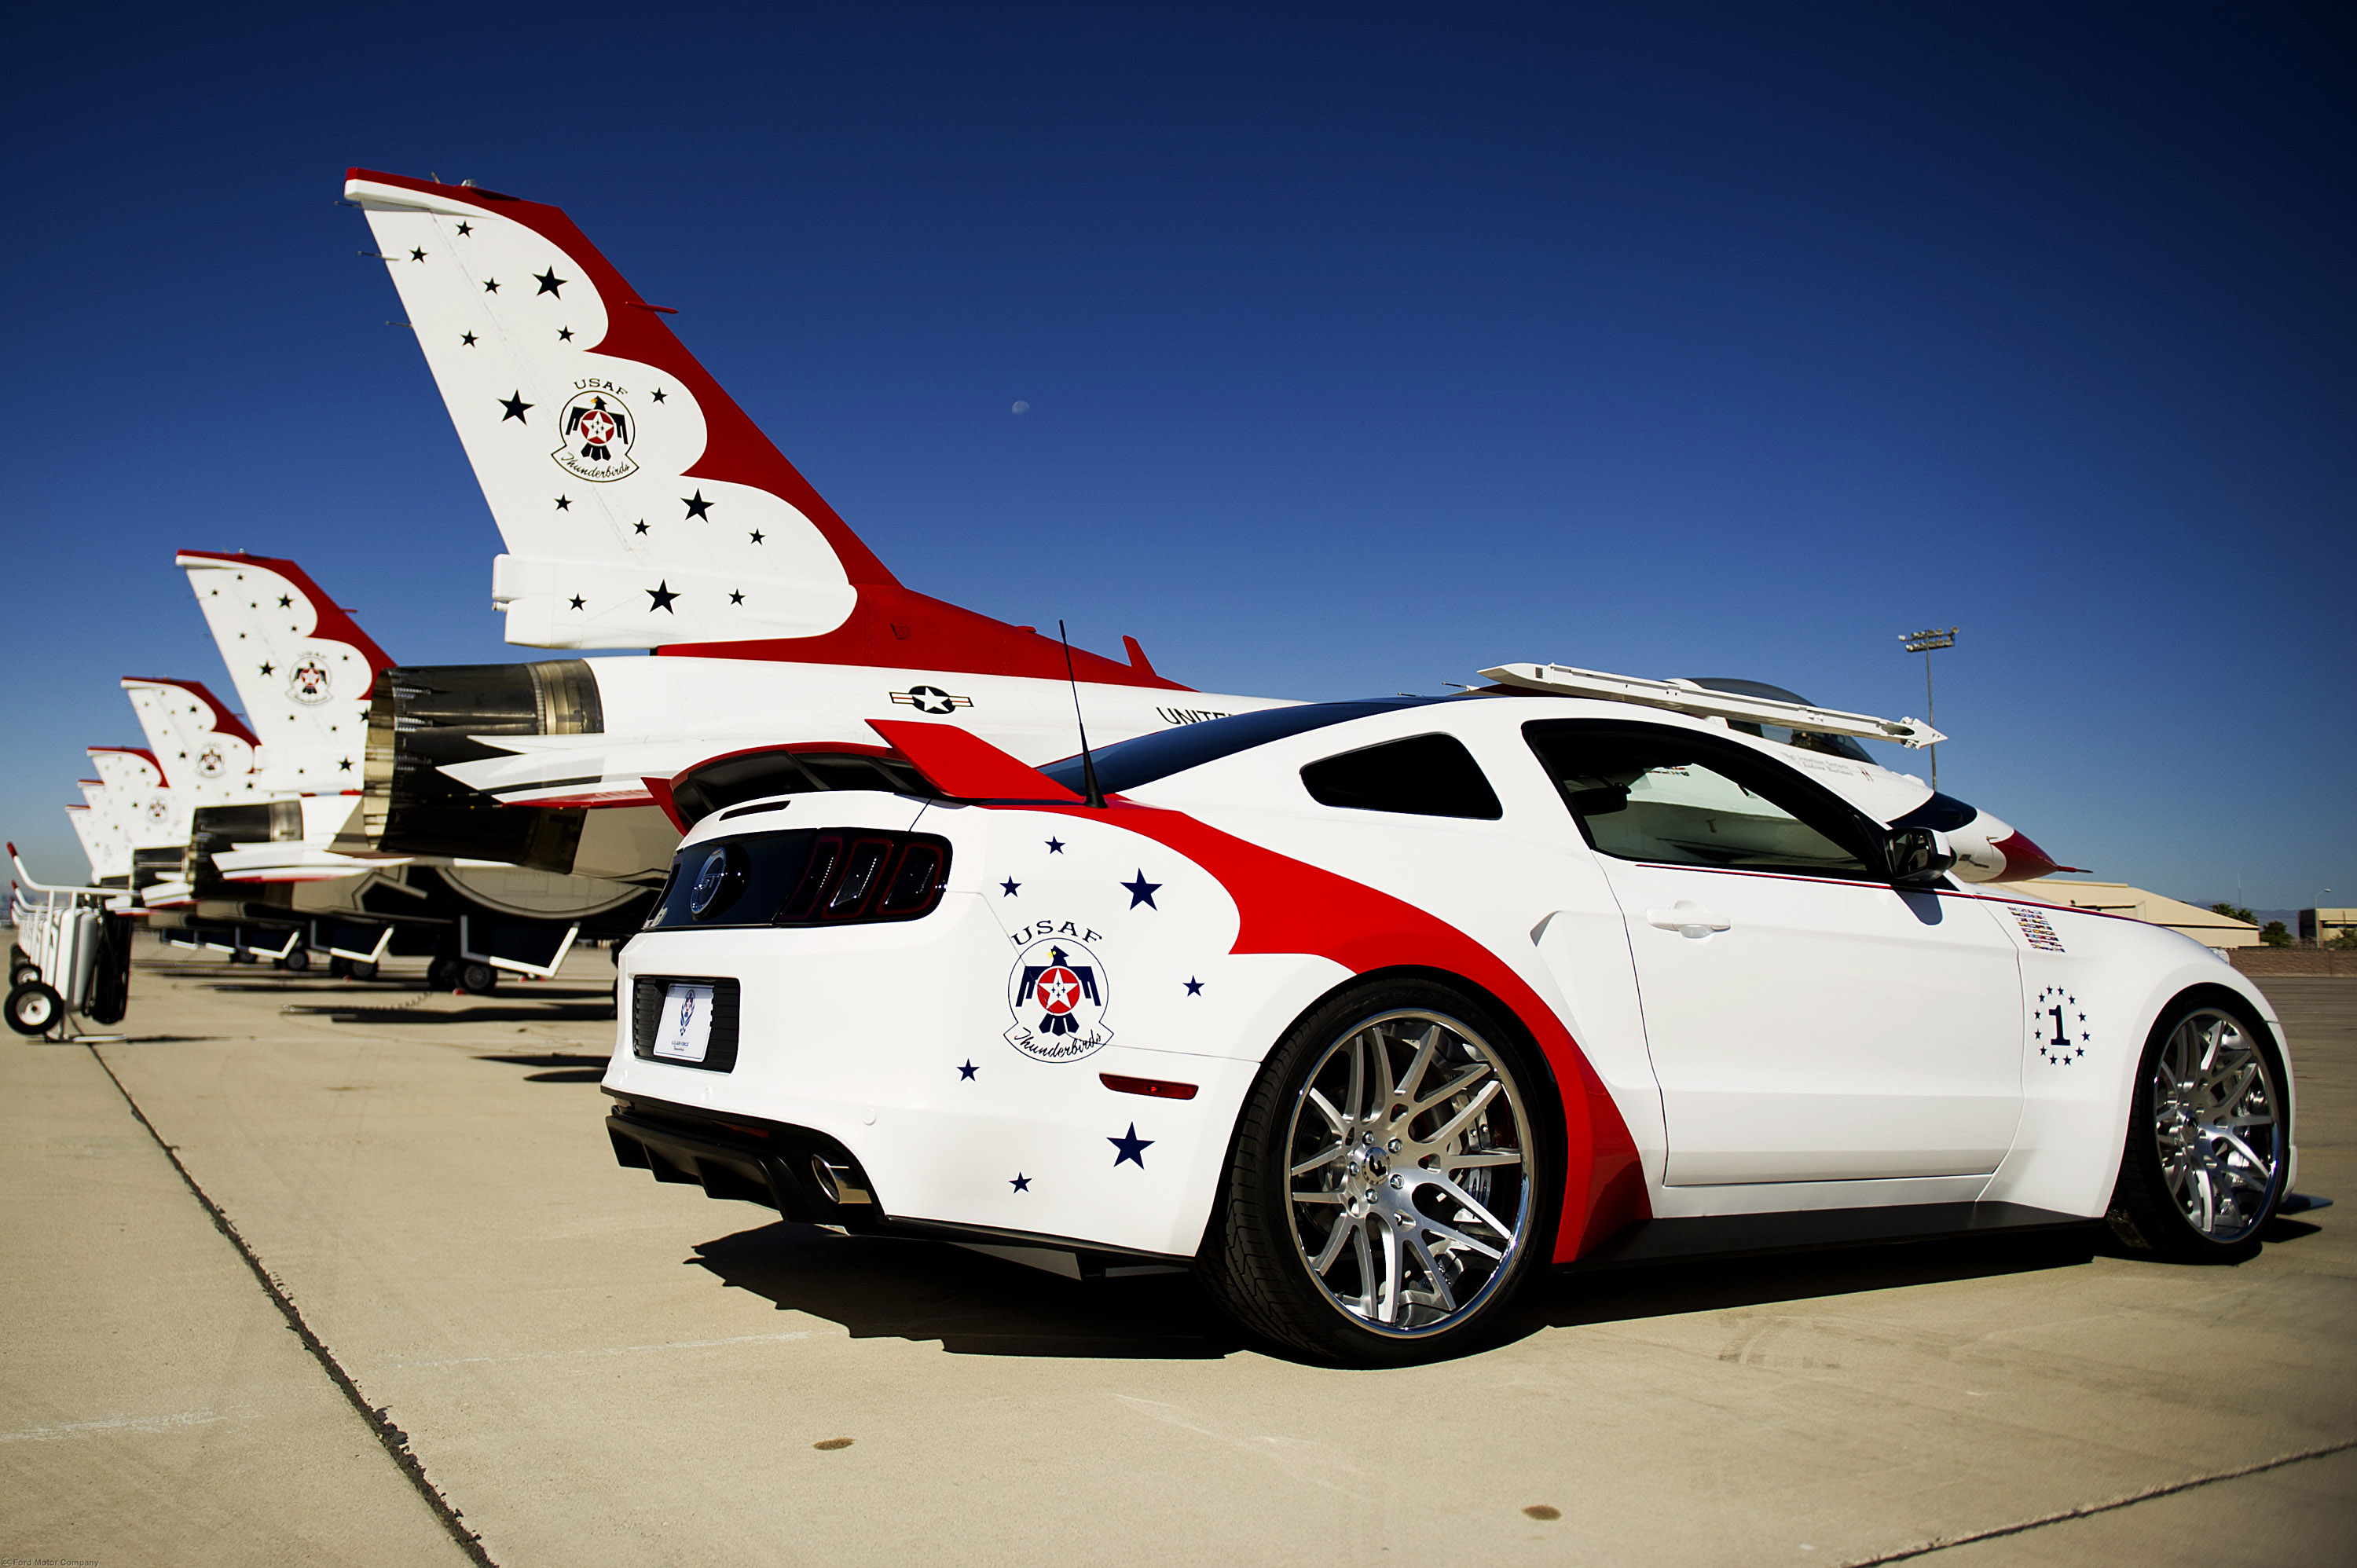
point(685, 1031)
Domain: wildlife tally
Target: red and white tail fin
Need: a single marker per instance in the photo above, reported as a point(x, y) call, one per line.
point(641, 507)
point(639, 504)
point(301, 667)
point(206, 751)
point(136, 798)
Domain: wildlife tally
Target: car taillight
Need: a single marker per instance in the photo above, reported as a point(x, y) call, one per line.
point(867, 876)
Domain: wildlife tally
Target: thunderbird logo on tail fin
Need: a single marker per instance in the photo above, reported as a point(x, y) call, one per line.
point(596, 445)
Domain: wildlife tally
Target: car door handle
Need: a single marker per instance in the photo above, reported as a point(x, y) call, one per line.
point(1687, 919)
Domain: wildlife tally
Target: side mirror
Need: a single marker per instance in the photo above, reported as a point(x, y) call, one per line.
point(1919, 856)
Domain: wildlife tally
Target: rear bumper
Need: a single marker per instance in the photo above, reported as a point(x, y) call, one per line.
point(803, 1173)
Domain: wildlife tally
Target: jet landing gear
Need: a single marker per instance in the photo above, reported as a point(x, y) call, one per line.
point(472, 976)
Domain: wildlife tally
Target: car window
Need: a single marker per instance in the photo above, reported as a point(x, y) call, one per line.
point(1131, 763)
point(1643, 793)
point(1423, 776)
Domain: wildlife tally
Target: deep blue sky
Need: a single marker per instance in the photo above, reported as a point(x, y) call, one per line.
point(1364, 346)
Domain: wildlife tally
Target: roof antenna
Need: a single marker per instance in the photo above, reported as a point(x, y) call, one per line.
point(1095, 798)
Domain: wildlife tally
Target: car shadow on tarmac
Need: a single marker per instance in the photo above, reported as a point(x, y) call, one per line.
point(886, 1287)
point(880, 1287)
point(1571, 1298)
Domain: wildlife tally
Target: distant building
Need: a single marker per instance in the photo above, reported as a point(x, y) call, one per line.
point(2209, 928)
point(2317, 926)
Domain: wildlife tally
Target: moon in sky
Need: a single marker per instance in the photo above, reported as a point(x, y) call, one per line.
point(1022, 407)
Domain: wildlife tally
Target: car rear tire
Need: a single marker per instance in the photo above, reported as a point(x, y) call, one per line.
point(1393, 1185)
point(34, 1008)
point(2209, 1137)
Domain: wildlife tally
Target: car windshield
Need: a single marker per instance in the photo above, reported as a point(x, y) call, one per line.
point(1131, 763)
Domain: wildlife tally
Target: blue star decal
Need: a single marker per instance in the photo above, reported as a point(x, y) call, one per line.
point(1194, 988)
point(1055, 846)
point(966, 1070)
point(1010, 884)
point(1142, 891)
point(1021, 1183)
point(1131, 1147)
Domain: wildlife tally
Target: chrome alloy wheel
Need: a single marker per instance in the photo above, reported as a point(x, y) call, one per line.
point(1413, 1173)
point(2218, 1125)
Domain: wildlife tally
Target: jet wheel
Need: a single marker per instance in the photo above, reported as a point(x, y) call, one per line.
point(478, 979)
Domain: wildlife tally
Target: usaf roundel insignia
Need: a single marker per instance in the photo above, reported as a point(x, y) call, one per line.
point(597, 434)
point(1057, 992)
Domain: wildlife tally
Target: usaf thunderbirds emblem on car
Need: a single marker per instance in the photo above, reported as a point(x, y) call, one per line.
point(1058, 996)
point(597, 432)
point(931, 700)
point(308, 682)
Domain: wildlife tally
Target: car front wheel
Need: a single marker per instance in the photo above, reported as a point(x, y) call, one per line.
point(2209, 1136)
point(1392, 1187)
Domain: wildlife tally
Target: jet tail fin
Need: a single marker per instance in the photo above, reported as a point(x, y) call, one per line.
point(640, 506)
point(206, 751)
point(302, 668)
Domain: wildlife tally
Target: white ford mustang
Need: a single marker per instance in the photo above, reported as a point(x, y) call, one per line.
point(1368, 1011)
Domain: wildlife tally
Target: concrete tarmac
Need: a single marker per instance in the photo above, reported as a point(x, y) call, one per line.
point(587, 1367)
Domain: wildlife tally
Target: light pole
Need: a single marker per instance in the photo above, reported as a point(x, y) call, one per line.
point(1927, 642)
